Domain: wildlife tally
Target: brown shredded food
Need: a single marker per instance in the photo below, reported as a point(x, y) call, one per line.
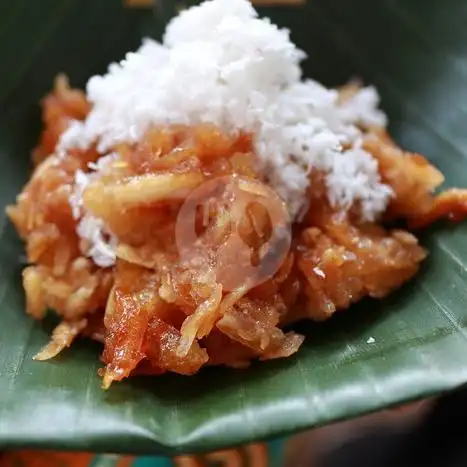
point(156, 312)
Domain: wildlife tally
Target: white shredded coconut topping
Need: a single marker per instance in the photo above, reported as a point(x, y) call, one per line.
point(73, 137)
point(97, 242)
point(219, 63)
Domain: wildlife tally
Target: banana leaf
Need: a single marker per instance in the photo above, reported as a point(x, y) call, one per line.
point(376, 354)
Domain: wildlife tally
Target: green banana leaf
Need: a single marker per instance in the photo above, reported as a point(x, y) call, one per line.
point(376, 354)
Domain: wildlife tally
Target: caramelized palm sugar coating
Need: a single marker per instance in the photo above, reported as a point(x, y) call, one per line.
point(414, 180)
point(58, 277)
point(58, 109)
point(185, 302)
point(411, 176)
point(141, 326)
point(343, 261)
point(160, 311)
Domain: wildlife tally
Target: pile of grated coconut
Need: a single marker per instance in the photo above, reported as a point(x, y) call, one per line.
point(220, 63)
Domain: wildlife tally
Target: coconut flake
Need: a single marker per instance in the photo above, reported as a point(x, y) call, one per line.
point(73, 137)
point(97, 242)
point(363, 107)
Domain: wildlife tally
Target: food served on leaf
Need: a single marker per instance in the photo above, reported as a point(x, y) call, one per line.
point(202, 195)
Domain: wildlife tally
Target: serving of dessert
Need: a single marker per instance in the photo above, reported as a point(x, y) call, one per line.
point(202, 195)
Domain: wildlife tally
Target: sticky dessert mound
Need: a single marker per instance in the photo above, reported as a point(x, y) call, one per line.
point(187, 213)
